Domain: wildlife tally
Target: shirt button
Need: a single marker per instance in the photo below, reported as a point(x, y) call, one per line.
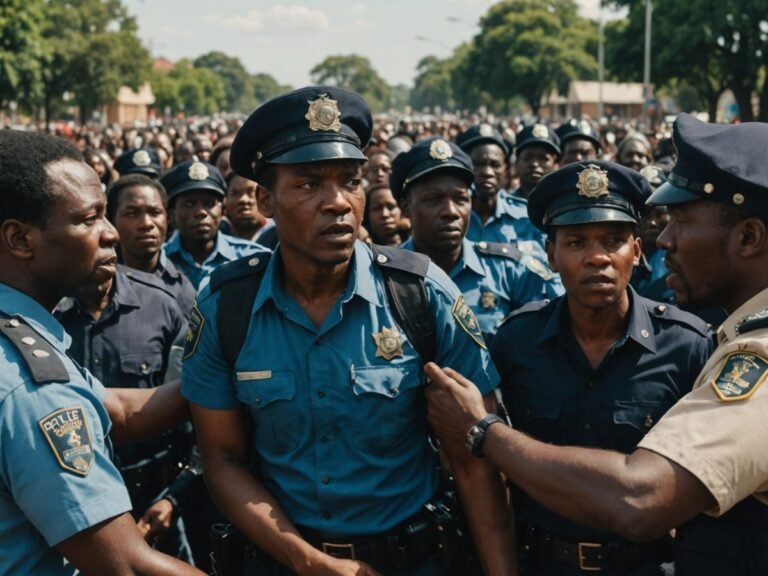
point(325, 480)
point(327, 515)
point(587, 427)
point(321, 394)
point(97, 361)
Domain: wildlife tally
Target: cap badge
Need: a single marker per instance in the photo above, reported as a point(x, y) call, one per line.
point(540, 131)
point(198, 171)
point(486, 130)
point(593, 182)
point(141, 158)
point(440, 150)
point(323, 114)
point(585, 127)
point(388, 344)
point(652, 174)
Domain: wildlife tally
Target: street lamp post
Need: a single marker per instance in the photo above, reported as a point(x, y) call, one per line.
point(647, 63)
point(600, 63)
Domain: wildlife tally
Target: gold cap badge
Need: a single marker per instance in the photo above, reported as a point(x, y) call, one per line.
point(388, 344)
point(440, 150)
point(540, 131)
point(323, 114)
point(486, 130)
point(198, 171)
point(141, 158)
point(593, 182)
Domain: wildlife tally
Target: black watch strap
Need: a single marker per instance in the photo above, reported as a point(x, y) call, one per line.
point(479, 437)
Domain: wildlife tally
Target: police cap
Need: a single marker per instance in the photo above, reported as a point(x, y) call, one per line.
point(578, 129)
point(482, 134)
point(429, 157)
point(139, 161)
point(307, 125)
point(193, 175)
point(725, 163)
point(588, 191)
point(538, 134)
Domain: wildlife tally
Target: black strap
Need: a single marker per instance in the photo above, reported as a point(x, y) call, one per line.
point(43, 361)
point(235, 303)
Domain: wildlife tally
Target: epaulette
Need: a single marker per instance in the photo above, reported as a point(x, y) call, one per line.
point(674, 314)
point(238, 269)
point(533, 306)
point(42, 360)
point(503, 249)
point(752, 322)
point(148, 279)
point(399, 259)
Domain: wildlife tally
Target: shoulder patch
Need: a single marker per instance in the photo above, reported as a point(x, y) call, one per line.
point(69, 436)
point(741, 373)
point(505, 250)
point(466, 319)
point(399, 259)
point(537, 267)
point(42, 360)
point(532, 306)
point(194, 331)
point(238, 268)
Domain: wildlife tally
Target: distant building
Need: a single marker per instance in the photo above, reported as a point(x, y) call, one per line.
point(131, 106)
point(624, 100)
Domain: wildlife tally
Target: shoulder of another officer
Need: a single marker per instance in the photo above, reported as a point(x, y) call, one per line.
point(143, 280)
point(399, 259)
point(530, 311)
point(239, 268)
point(500, 250)
point(668, 313)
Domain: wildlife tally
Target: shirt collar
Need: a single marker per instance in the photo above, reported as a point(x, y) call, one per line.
point(221, 246)
point(15, 303)
point(125, 293)
point(727, 330)
point(468, 259)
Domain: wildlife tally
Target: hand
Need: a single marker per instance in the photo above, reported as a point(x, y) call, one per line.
point(156, 520)
point(454, 404)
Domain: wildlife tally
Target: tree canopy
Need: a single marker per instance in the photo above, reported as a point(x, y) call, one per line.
point(354, 73)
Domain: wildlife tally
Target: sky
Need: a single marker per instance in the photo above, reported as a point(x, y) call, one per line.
point(287, 38)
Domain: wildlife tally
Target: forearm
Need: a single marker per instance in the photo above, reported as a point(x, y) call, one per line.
point(139, 414)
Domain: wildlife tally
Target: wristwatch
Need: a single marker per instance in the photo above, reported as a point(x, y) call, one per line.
point(476, 435)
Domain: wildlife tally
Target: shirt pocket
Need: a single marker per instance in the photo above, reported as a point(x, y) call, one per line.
point(537, 414)
point(387, 406)
point(276, 420)
point(632, 420)
point(140, 370)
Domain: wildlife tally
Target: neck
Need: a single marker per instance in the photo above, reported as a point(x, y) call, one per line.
point(606, 325)
point(484, 206)
point(446, 259)
point(245, 231)
point(20, 279)
point(143, 264)
point(200, 250)
point(96, 301)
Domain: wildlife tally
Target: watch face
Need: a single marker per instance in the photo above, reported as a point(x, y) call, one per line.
point(471, 438)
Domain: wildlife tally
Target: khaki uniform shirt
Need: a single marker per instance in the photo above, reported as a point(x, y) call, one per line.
point(719, 431)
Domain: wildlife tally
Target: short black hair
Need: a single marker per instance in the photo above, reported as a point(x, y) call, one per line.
point(25, 188)
point(131, 181)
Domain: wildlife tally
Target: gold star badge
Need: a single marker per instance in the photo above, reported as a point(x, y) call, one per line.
point(593, 182)
point(323, 114)
point(388, 344)
point(440, 150)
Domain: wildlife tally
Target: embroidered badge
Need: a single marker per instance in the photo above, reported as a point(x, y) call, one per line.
point(389, 345)
point(488, 300)
point(465, 318)
point(141, 158)
point(741, 373)
point(323, 114)
point(537, 267)
point(194, 331)
point(440, 150)
point(69, 437)
point(593, 182)
point(198, 171)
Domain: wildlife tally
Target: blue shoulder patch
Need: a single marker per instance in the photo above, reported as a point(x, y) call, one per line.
point(239, 268)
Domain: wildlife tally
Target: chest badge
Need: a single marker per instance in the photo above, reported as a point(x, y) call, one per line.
point(741, 373)
point(488, 300)
point(69, 437)
point(389, 345)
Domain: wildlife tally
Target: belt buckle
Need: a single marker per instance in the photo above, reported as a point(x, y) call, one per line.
point(584, 561)
point(336, 550)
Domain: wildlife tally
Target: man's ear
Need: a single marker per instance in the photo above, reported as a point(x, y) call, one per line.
point(752, 237)
point(18, 238)
point(264, 201)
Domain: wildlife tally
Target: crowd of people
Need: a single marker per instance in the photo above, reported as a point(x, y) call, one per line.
point(324, 344)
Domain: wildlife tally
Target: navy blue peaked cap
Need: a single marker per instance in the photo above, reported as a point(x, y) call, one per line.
point(482, 134)
point(725, 163)
point(306, 125)
point(193, 175)
point(578, 129)
point(538, 134)
point(139, 161)
point(429, 157)
point(588, 191)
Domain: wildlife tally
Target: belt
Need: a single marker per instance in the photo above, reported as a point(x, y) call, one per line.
point(595, 556)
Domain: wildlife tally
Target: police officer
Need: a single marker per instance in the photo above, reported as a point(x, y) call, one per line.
point(707, 454)
point(195, 195)
point(432, 180)
point(144, 161)
point(332, 386)
point(537, 153)
point(578, 141)
point(61, 497)
point(137, 207)
point(650, 273)
point(496, 216)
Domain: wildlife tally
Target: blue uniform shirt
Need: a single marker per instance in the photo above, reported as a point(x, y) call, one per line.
point(510, 223)
point(495, 285)
point(226, 249)
point(554, 394)
point(339, 429)
point(176, 283)
point(41, 502)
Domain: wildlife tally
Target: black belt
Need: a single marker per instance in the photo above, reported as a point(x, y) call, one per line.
point(595, 556)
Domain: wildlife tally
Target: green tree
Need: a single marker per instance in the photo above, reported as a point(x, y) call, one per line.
point(433, 83)
point(187, 89)
point(264, 87)
point(238, 88)
point(22, 52)
point(355, 73)
point(528, 47)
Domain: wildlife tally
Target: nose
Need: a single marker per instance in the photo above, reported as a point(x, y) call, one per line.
point(597, 255)
point(336, 200)
point(450, 211)
point(109, 236)
point(665, 240)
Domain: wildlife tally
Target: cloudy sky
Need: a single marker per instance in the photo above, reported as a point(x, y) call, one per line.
point(286, 38)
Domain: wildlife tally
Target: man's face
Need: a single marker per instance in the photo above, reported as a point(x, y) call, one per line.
point(595, 262)
point(383, 214)
point(141, 222)
point(532, 163)
point(651, 225)
point(197, 214)
point(76, 246)
point(577, 149)
point(378, 169)
point(634, 155)
point(317, 208)
point(490, 169)
point(240, 202)
point(698, 249)
point(439, 207)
